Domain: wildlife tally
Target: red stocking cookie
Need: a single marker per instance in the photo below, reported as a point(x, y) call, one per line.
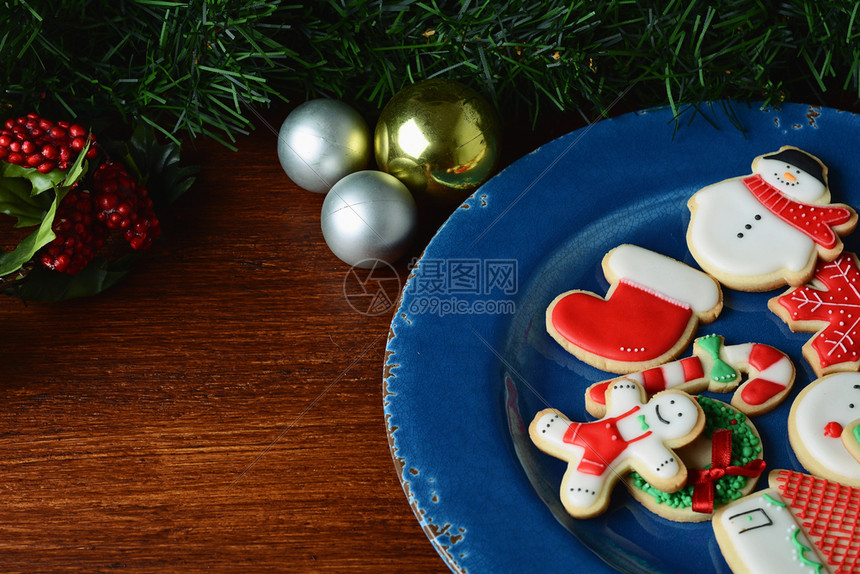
point(828, 306)
point(650, 313)
point(634, 435)
point(716, 367)
point(768, 229)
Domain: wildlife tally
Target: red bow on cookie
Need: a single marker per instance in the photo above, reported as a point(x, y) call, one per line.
point(721, 457)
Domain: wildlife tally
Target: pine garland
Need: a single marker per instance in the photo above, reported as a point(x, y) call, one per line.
point(204, 67)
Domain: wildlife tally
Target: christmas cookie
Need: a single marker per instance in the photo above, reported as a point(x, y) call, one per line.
point(761, 231)
point(723, 464)
point(800, 524)
point(851, 439)
point(816, 422)
point(650, 313)
point(716, 367)
point(828, 306)
point(635, 435)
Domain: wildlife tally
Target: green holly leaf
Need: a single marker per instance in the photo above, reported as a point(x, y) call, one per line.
point(35, 201)
point(17, 201)
point(40, 182)
point(77, 170)
point(15, 259)
point(155, 165)
point(16, 198)
point(48, 286)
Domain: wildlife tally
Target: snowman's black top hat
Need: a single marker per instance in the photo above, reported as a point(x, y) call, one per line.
point(801, 160)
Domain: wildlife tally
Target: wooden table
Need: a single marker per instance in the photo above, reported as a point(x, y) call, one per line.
point(221, 409)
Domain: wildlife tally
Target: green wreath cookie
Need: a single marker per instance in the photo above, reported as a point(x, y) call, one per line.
point(724, 475)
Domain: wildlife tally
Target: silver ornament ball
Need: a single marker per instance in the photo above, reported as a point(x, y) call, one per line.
point(321, 141)
point(369, 216)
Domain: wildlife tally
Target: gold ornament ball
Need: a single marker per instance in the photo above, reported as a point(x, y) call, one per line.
point(439, 137)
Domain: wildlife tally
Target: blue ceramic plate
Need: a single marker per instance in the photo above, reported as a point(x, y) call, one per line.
point(469, 361)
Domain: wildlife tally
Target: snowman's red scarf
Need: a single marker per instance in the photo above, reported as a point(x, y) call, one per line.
point(815, 221)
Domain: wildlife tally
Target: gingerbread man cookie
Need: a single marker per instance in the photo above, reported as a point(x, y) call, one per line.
point(650, 313)
point(761, 231)
point(816, 424)
point(636, 434)
point(716, 367)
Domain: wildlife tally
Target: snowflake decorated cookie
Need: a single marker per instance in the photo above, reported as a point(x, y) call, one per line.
point(770, 228)
point(649, 315)
point(817, 422)
point(636, 434)
point(828, 306)
point(716, 367)
point(800, 524)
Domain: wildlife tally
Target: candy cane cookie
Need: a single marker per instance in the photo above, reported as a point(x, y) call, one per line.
point(716, 367)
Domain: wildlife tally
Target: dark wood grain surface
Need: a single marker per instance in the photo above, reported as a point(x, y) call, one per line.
point(221, 409)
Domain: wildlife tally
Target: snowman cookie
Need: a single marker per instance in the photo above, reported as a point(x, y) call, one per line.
point(635, 435)
point(761, 231)
point(817, 422)
point(716, 367)
point(851, 439)
point(650, 313)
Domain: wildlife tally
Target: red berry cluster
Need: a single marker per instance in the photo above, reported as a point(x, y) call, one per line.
point(125, 205)
point(33, 141)
point(109, 200)
point(77, 239)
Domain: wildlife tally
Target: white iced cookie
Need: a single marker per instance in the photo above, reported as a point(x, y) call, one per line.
point(758, 534)
point(635, 435)
point(851, 439)
point(768, 229)
point(817, 420)
point(801, 524)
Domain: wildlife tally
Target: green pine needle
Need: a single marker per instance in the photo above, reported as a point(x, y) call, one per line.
point(198, 67)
